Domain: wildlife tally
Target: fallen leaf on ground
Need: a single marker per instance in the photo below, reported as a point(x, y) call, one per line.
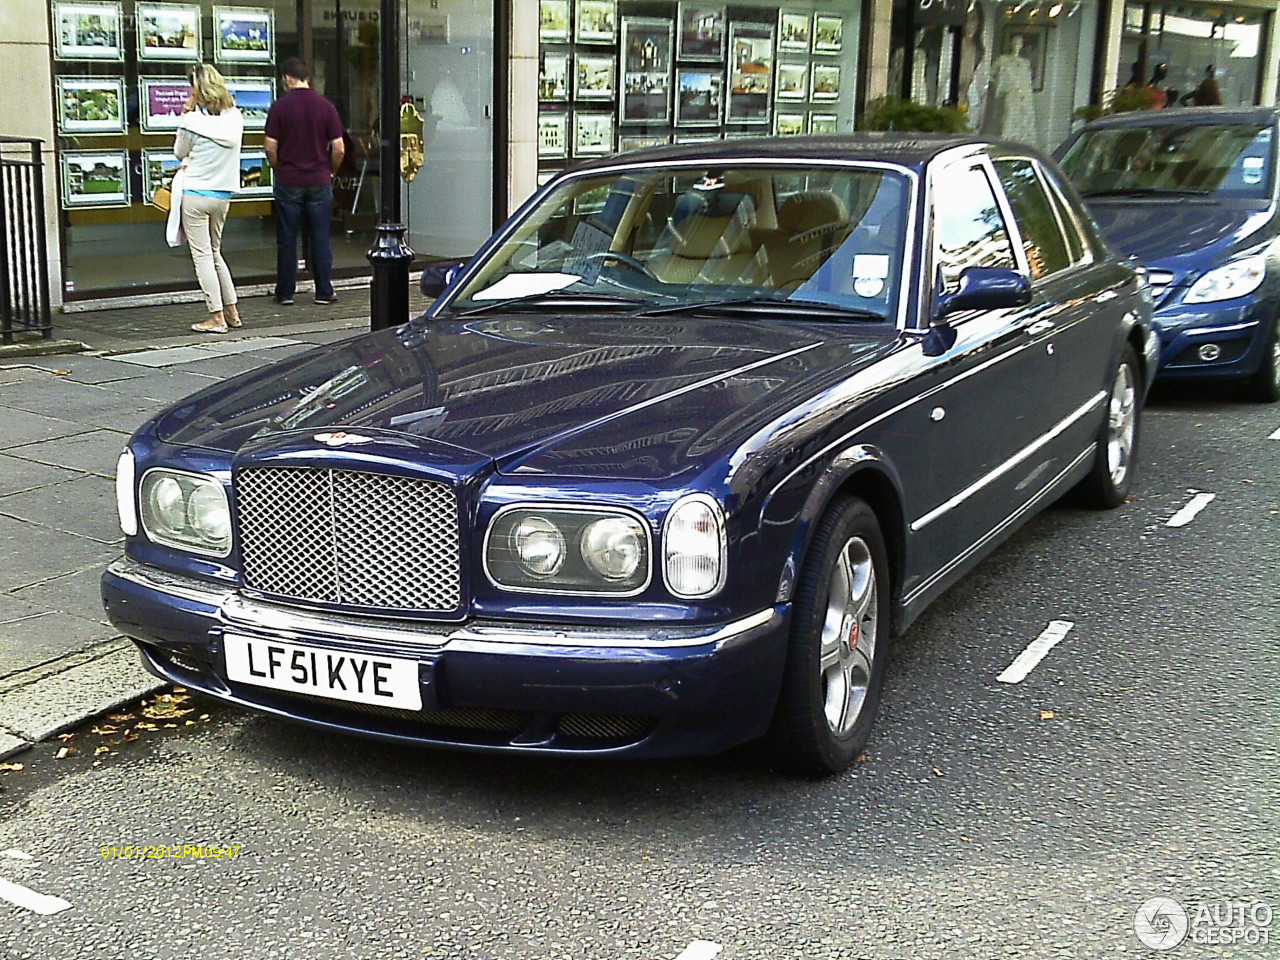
point(171, 726)
point(860, 758)
point(130, 736)
point(99, 751)
point(64, 752)
point(61, 373)
point(10, 766)
point(1046, 714)
point(66, 736)
point(143, 725)
point(105, 729)
point(937, 771)
point(121, 717)
point(162, 711)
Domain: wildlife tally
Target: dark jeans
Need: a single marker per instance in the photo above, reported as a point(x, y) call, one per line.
point(291, 202)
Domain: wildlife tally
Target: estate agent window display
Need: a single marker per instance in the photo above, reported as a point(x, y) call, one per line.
point(119, 76)
point(687, 72)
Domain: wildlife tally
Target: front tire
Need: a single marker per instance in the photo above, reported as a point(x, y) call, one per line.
point(1264, 386)
point(838, 645)
point(1115, 461)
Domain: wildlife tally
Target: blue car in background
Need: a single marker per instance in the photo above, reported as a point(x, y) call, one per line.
point(1192, 195)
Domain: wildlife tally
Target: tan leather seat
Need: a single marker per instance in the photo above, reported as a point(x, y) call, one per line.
point(810, 225)
point(712, 244)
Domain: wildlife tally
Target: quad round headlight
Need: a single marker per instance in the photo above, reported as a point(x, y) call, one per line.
point(166, 503)
point(185, 510)
point(612, 547)
point(539, 546)
point(587, 551)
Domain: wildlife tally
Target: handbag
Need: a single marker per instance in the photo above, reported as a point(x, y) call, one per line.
point(162, 199)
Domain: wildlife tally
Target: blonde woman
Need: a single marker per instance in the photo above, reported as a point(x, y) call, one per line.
point(208, 144)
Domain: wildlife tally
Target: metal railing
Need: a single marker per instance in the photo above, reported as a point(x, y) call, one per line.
point(24, 251)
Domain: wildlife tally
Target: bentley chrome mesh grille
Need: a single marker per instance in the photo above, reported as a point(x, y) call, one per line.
point(343, 536)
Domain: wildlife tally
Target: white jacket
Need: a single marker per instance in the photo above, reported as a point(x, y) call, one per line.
point(209, 147)
point(173, 233)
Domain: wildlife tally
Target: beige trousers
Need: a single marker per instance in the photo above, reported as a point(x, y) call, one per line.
point(202, 220)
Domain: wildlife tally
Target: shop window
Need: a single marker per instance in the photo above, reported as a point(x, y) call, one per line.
point(618, 75)
point(1018, 71)
point(1181, 49)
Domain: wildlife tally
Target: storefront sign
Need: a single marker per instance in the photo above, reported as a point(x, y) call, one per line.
point(949, 13)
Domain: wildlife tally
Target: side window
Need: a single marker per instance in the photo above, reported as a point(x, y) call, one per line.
point(969, 229)
point(1042, 238)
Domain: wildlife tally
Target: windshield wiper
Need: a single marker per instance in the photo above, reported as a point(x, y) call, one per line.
point(799, 309)
point(556, 298)
point(1144, 192)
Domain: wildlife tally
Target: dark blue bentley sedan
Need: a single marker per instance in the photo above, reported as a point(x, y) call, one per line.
point(662, 470)
point(1192, 194)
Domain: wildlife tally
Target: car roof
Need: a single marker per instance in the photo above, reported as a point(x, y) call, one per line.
point(1186, 115)
point(907, 150)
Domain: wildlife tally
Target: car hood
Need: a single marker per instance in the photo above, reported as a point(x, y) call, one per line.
point(1176, 235)
point(575, 395)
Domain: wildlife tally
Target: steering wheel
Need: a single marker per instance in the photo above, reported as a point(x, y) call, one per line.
point(626, 260)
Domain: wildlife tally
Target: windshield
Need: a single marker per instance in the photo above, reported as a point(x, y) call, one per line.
point(1222, 160)
point(658, 237)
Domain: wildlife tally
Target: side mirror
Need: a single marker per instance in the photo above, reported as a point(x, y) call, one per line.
point(437, 276)
point(986, 288)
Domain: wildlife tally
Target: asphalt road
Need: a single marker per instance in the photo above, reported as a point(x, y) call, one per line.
point(1139, 758)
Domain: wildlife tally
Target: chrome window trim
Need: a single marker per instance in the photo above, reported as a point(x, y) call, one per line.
point(909, 246)
point(943, 162)
point(174, 545)
point(722, 523)
point(1055, 207)
point(1001, 469)
point(563, 507)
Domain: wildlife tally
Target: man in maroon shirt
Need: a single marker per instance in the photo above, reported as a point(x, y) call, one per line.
point(304, 148)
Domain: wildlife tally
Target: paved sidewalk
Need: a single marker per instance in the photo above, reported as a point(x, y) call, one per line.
point(63, 421)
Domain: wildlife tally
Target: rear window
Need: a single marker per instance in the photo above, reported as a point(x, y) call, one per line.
point(1222, 160)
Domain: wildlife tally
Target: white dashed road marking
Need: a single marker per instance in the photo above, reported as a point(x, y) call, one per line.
point(15, 854)
point(1026, 661)
point(30, 900)
point(1189, 511)
point(700, 950)
point(1275, 436)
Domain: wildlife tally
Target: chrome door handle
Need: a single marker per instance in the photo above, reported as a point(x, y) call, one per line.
point(1039, 327)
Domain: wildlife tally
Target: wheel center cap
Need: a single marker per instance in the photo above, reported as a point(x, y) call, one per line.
point(854, 633)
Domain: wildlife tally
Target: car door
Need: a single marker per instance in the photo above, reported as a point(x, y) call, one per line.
point(1072, 321)
point(987, 405)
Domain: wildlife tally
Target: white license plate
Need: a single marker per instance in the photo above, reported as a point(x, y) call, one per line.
point(339, 674)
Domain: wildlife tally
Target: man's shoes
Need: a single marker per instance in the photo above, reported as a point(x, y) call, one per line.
point(332, 298)
point(284, 301)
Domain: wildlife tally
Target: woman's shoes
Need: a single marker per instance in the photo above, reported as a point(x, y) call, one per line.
point(234, 322)
point(209, 326)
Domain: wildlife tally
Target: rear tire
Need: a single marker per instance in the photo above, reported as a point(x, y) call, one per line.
point(1115, 460)
point(1264, 386)
point(838, 645)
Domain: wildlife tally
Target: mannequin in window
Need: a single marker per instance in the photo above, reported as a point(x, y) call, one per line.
point(1155, 92)
point(1208, 94)
point(975, 72)
point(1011, 86)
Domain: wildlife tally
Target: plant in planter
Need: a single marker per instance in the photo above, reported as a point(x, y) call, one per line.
point(894, 113)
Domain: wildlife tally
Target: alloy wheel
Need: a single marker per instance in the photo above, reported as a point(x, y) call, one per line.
point(849, 636)
point(1122, 420)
